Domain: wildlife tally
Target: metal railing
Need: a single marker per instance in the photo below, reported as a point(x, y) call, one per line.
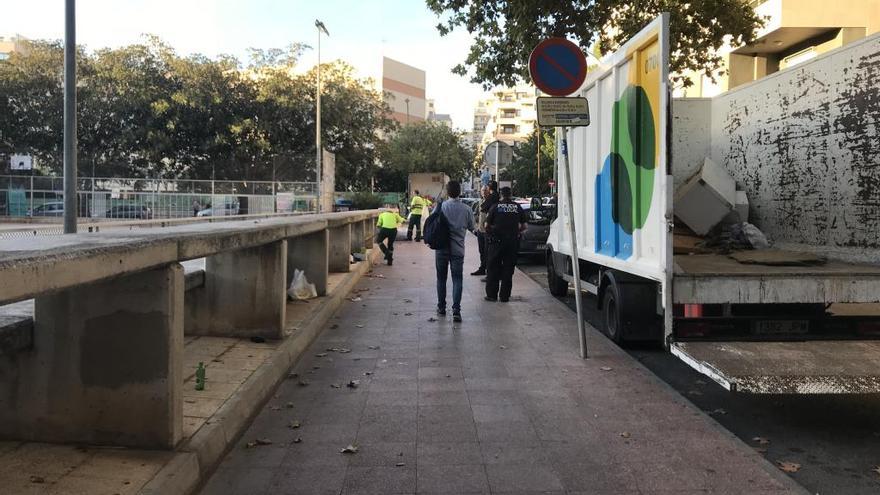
point(130, 198)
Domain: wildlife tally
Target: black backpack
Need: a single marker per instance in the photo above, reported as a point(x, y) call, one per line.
point(436, 231)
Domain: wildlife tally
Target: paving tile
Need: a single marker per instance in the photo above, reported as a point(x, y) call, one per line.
point(240, 481)
point(510, 432)
point(449, 478)
point(448, 453)
point(460, 413)
point(443, 398)
point(307, 480)
point(522, 477)
point(379, 480)
point(513, 413)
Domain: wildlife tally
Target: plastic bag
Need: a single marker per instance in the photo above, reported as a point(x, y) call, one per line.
point(300, 288)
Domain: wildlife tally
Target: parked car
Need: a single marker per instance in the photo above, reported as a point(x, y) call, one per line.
point(53, 209)
point(226, 209)
point(140, 212)
point(534, 239)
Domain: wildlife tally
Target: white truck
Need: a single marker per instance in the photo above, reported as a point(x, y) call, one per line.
point(804, 145)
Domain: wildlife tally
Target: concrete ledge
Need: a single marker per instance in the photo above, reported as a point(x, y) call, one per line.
point(211, 442)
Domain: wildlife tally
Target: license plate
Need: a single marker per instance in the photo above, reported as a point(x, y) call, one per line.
point(781, 327)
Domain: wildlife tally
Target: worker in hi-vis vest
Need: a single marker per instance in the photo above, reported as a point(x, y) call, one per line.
point(388, 222)
point(416, 206)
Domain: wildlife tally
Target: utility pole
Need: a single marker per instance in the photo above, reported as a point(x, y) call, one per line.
point(69, 117)
point(318, 148)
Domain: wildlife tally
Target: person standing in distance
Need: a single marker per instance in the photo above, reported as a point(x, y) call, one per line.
point(504, 224)
point(460, 219)
point(481, 236)
point(416, 205)
point(387, 229)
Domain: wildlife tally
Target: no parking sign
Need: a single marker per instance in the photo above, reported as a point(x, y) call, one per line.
point(557, 66)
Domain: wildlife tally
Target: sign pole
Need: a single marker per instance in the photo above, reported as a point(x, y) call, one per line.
point(575, 265)
point(497, 153)
point(69, 117)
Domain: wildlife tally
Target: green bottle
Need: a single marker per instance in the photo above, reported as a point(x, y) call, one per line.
point(200, 377)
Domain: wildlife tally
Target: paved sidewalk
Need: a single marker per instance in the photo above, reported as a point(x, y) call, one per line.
point(500, 403)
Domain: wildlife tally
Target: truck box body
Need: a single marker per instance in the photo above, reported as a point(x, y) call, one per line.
point(803, 143)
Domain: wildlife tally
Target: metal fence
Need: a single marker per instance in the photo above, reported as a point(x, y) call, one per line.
point(102, 197)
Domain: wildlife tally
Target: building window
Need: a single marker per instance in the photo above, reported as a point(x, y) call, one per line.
point(509, 113)
point(508, 129)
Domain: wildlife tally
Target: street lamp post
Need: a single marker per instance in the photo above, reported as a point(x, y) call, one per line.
point(321, 28)
point(407, 110)
point(69, 117)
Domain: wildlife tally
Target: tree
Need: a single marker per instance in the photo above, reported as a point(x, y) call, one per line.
point(424, 147)
point(505, 31)
point(523, 169)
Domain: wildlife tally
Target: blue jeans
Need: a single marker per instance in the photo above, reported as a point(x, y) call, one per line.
point(445, 261)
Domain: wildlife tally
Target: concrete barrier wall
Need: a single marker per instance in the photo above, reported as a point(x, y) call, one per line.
point(111, 310)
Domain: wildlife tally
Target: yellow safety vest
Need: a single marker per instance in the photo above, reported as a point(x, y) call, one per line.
point(416, 205)
point(389, 220)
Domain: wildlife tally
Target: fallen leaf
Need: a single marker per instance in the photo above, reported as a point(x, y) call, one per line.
point(297, 440)
point(368, 373)
point(625, 434)
point(788, 467)
point(350, 449)
point(294, 425)
point(407, 301)
point(400, 464)
point(316, 367)
point(258, 443)
point(502, 347)
point(407, 314)
point(718, 411)
point(292, 375)
point(761, 440)
point(694, 392)
point(355, 299)
point(275, 408)
point(353, 384)
point(373, 347)
point(334, 326)
point(606, 368)
point(335, 385)
point(321, 354)
point(303, 383)
point(359, 326)
point(432, 319)
point(37, 479)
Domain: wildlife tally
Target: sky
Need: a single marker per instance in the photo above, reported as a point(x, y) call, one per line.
point(361, 32)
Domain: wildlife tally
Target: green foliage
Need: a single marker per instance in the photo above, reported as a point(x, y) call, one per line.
point(523, 170)
point(144, 110)
point(423, 147)
point(505, 31)
point(365, 201)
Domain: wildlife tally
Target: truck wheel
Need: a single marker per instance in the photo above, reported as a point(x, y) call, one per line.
point(558, 285)
point(611, 323)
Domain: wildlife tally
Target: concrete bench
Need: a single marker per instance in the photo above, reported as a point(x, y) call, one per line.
point(103, 364)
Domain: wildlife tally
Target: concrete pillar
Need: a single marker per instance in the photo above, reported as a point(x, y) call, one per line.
point(369, 232)
point(244, 294)
point(357, 236)
point(310, 253)
point(105, 367)
point(340, 248)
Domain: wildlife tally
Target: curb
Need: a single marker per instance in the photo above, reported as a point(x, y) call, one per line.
point(201, 454)
point(763, 462)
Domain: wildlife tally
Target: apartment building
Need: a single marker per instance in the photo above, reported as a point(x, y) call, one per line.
point(795, 31)
point(508, 115)
point(404, 89)
point(11, 44)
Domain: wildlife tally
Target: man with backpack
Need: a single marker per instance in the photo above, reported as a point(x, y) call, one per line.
point(445, 231)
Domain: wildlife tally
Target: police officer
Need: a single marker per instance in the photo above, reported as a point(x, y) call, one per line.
point(416, 205)
point(387, 224)
point(504, 223)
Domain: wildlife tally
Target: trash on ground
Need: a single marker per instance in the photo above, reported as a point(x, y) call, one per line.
point(321, 354)
point(293, 425)
point(37, 479)
point(761, 440)
point(400, 464)
point(297, 440)
point(606, 368)
point(353, 384)
point(626, 434)
point(788, 467)
point(341, 350)
point(300, 288)
point(258, 443)
point(350, 449)
point(355, 299)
